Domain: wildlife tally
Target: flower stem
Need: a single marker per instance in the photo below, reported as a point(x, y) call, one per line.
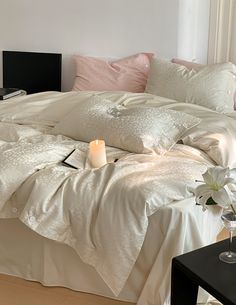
point(233, 209)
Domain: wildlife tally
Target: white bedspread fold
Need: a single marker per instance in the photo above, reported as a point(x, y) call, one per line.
point(101, 213)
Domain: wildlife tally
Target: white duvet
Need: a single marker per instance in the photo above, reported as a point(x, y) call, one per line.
point(101, 213)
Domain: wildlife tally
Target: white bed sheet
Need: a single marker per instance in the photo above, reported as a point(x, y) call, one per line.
point(175, 229)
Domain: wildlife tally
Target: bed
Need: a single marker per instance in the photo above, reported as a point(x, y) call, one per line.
point(110, 231)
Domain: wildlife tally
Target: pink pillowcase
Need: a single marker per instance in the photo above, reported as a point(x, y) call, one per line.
point(192, 65)
point(127, 74)
point(188, 64)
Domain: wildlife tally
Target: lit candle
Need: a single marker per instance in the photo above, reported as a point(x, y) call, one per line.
point(97, 153)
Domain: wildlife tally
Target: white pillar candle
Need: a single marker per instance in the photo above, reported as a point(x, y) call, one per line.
point(97, 153)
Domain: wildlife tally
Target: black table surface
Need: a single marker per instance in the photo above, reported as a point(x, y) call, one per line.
point(204, 267)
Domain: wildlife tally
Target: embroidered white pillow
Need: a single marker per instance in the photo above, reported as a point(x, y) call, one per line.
point(213, 86)
point(136, 129)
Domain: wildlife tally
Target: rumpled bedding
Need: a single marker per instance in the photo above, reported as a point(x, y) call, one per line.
point(101, 213)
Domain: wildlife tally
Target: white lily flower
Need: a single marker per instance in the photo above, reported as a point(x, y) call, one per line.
point(215, 190)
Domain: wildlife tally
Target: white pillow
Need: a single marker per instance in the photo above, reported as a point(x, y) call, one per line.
point(212, 86)
point(137, 129)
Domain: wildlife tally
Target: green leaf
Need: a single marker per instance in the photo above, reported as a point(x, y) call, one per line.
point(210, 201)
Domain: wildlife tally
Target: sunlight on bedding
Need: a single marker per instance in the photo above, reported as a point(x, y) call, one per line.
point(78, 207)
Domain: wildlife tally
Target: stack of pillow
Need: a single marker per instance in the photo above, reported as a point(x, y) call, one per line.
point(145, 129)
point(211, 86)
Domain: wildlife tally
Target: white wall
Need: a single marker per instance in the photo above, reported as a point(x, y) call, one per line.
point(104, 28)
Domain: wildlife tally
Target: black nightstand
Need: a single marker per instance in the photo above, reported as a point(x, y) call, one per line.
point(203, 268)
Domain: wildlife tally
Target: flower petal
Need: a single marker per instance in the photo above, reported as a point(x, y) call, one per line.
point(203, 199)
point(218, 175)
point(207, 177)
point(222, 197)
point(202, 190)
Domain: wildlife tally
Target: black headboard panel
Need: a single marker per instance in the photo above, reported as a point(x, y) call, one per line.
point(32, 71)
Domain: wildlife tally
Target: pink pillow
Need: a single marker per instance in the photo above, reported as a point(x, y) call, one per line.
point(188, 64)
point(127, 74)
point(197, 67)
